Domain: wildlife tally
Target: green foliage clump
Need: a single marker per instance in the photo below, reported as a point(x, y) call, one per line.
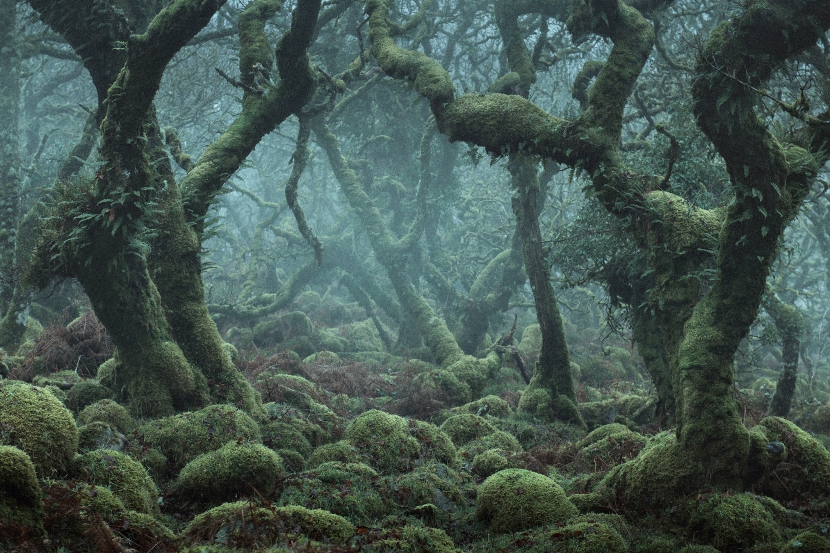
point(363, 336)
point(235, 470)
point(181, 438)
point(271, 332)
point(33, 420)
point(108, 411)
point(20, 495)
point(126, 477)
point(728, 522)
point(410, 538)
point(516, 499)
point(246, 526)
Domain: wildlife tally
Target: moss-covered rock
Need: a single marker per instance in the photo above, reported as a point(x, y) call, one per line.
point(126, 477)
point(323, 357)
point(341, 452)
point(280, 435)
point(233, 471)
point(61, 379)
point(410, 538)
point(488, 405)
point(496, 440)
point(246, 526)
point(805, 471)
point(576, 537)
point(351, 490)
point(433, 483)
point(20, 495)
point(490, 462)
point(100, 435)
point(86, 393)
point(270, 332)
point(32, 419)
point(807, 542)
point(466, 427)
point(363, 336)
point(108, 411)
point(181, 438)
point(330, 341)
point(392, 444)
point(516, 499)
point(728, 522)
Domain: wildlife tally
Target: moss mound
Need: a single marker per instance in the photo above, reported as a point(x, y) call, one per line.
point(126, 477)
point(280, 435)
point(805, 470)
point(86, 393)
point(249, 526)
point(729, 522)
point(393, 445)
point(517, 499)
point(181, 438)
point(235, 470)
point(488, 405)
point(33, 420)
point(108, 411)
point(100, 435)
point(466, 427)
point(490, 462)
point(351, 490)
point(807, 542)
point(20, 495)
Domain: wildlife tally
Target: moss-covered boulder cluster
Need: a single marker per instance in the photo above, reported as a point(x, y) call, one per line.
point(327, 465)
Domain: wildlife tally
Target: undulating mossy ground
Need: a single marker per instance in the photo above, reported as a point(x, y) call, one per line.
point(352, 456)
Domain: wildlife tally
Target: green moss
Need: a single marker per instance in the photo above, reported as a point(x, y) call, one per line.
point(806, 470)
point(467, 427)
point(576, 537)
point(235, 470)
point(100, 435)
point(488, 405)
point(242, 524)
point(86, 393)
point(341, 451)
point(330, 342)
point(20, 495)
point(181, 438)
point(536, 402)
point(323, 357)
point(62, 379)
point(411, 539)
point(291, 460)
point(807, 542)
point(351, 490)
point(661, 473)
point(490, 462)
point(271, 332)
point(496, 440)
point(728, 522)
point(33, 420)
point(433, 483)
point(280, 435)
point(108, 411)
point(384, 439)
point(107, 374)
point(392, 444)
point(516, 499)
point(363, 336)
point(126, 477)
point(601, 433)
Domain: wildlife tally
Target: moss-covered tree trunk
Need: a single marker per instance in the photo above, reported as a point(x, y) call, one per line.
point(790, 325)
point(551, 393)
